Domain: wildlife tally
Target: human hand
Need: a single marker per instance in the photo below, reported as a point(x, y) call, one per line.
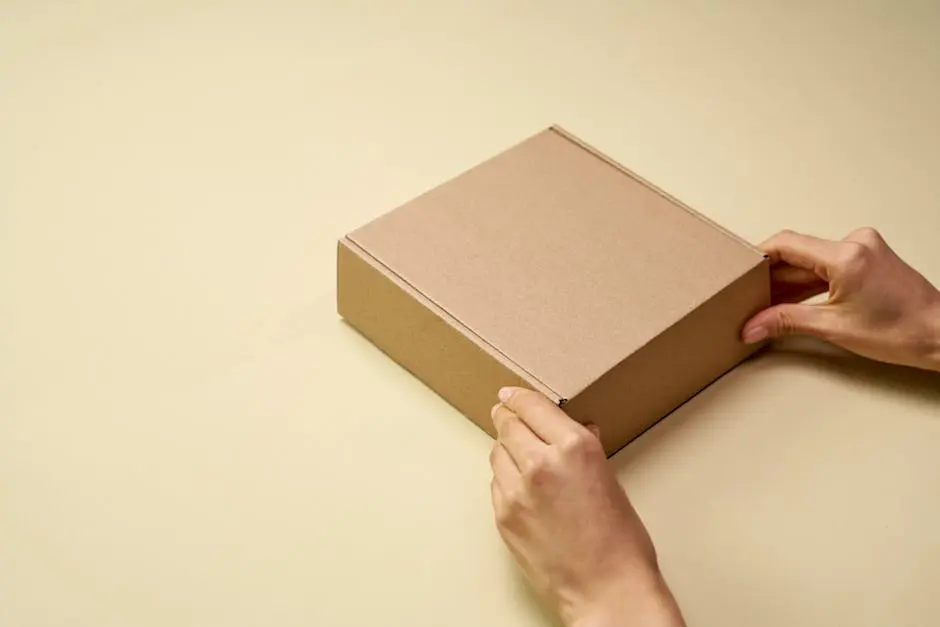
point(567, 521)
point(878, 306)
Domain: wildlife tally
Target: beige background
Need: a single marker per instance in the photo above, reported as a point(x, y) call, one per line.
point(188, 436)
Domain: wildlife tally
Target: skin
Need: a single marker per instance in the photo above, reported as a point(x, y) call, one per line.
point(878, 306)
point(560, 509)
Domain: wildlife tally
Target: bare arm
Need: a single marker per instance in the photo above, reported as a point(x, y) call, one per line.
point(569, 523)
point(558, 505)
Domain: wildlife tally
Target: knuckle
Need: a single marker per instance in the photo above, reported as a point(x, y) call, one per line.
point(868, 236)
point(538, 470)
point(854, 256)
point(783, 237)
point(509, 507)
point(594, 447)
point(504, 514)
point(581, 442)
point(778, 240)
point(572, 443)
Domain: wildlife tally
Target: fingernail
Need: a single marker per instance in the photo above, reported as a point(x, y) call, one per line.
point(494, 410)
point(505, 394)
point(755, 335)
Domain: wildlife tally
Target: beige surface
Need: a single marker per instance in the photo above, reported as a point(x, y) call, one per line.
point(189, 437)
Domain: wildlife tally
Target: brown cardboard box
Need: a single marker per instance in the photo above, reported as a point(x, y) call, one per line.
point(552, 267)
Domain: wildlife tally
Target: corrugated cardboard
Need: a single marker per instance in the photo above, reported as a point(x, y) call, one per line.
point(553, 267)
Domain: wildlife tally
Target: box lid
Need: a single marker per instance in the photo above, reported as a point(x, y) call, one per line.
point(557, 257)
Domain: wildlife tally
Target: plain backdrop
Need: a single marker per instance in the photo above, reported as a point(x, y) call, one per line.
point(188, 434)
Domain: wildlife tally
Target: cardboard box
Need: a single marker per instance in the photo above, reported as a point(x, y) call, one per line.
point(551, 266)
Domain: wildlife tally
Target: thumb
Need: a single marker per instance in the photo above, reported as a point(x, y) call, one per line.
point(594, 429)
point(787, 319)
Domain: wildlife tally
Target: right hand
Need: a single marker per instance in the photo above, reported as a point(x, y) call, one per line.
point(878, 306)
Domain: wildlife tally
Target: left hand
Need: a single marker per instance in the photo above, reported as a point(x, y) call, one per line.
point(567, 521)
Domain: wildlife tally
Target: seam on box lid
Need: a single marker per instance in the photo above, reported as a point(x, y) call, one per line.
point(455, 321)
point(639, 179)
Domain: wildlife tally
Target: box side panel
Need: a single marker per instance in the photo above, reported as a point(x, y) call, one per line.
point(676, 365)
point(421, 338)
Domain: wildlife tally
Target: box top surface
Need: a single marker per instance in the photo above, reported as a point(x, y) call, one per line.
point(557, 257)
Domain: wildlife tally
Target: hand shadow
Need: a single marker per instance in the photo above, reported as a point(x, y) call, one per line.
point(822, 358)
point(836, 362)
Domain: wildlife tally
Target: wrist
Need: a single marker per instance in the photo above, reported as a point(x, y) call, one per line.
point(645, 601)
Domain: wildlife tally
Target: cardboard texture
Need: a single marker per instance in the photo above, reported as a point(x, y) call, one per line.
point(553, 267)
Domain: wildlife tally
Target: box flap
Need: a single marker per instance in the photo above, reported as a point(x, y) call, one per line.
point(557, 257)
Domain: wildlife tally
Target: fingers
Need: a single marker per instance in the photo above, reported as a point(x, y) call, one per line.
point(787, 319)
point(792, 275)
point(790, 284)
point(781, 294)
point(541, 415)
point(506, 477)
point(499, 501)
point(501, 462)
point(522, 445)
point(803, 251)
